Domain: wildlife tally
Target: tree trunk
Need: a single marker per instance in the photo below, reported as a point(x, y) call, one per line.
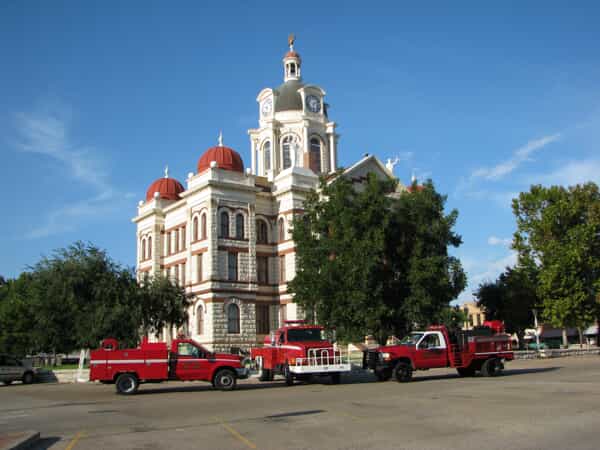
point(565, 340)
point(580, 330)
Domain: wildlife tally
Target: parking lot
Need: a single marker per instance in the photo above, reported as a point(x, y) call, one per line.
point(541, 404)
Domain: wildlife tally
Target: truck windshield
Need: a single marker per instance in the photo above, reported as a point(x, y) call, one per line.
point(305, 335)
point(411, 339)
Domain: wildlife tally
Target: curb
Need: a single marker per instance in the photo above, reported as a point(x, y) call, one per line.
point(18, 441)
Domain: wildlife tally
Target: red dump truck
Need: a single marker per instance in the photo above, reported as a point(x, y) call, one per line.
point(299, 351)
point(154, 362)
point(483, 349)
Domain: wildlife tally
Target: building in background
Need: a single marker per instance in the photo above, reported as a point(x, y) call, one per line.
point(225, 236)
point(475, 315)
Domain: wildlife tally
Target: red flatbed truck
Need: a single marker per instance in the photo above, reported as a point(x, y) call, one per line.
point(186, 360)
point(483, 349)
point(299, 351)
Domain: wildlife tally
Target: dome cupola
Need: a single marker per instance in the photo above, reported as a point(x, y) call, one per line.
point(225, 157)
point(165, 188)
point(292, 62)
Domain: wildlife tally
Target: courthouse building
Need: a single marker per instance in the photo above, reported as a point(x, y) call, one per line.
point(224, 233)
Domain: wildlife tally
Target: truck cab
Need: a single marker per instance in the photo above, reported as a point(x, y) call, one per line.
point(298, 351)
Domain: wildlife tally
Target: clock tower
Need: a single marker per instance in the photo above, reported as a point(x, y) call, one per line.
point(294, 127)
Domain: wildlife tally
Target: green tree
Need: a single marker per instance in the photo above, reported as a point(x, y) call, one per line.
point(373, 261)
point(18, 334)
point(558, 236)
point(510, 298)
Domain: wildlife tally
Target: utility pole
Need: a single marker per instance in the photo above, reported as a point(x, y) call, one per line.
point(537, 334)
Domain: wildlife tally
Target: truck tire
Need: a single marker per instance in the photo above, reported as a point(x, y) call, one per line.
point(402, 372)
point(383, 375)
point(466, 371)
point(225, 380)
point(336, 378)
point(288, 375)
point(127, 384)
point(491, 367)
point(27, 378)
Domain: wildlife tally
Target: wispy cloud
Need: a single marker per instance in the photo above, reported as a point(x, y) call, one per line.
point(520, 155)
point(47, 133)
point(493, 240)
point(570, 173)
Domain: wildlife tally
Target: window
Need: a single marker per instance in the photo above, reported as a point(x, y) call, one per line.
point(262, 319)
point(239, 226)
point(286, 148)
point(169, 243)
point(199, 267)
point(187, 349)
point(183, 274)
point(224, 229)
point(195, 229)
point(262, 269)
point(315, 155)
point(233, 318)
point(176, 274)
point(267, 153)
point(282, 269)
point(143, 249)
point(150, 247)
point(430, 341)
point(471, 319)
point(281, 230)
point(176, 237)
point(478, 319)
point(200, 320)
point(203, 226)
point(232, 266)
point(262, 234)
point(183, 238)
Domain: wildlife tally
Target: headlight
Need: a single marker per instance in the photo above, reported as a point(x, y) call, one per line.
point(386, 356)
point(292, 361)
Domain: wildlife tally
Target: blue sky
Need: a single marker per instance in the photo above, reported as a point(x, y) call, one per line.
point(97, 97)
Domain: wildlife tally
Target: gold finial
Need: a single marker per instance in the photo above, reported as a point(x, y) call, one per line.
point(291, 40)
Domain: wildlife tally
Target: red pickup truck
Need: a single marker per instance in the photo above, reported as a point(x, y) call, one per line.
point(153, 362)
point(483, 349)
point(298, 351)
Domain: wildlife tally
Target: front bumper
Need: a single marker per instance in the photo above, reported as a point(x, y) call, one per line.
point(373, 360)
point(243, 373)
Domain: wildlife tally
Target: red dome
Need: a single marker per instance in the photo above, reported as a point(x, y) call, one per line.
point(292, 54)
point(226, 158)
point(168, 189)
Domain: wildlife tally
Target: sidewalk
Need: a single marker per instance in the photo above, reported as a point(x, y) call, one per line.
point(18, 440)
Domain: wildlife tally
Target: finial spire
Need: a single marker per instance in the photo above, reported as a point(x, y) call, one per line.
point(413, 177)
point(166, 171)
point(291, 40)
point(220, 138)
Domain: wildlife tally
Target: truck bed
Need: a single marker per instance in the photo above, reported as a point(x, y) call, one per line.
point(150, 362)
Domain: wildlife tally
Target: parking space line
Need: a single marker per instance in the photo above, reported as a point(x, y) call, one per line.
point(234, 433)
point(75, 440)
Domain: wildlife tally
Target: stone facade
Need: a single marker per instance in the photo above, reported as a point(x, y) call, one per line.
point(205, 237)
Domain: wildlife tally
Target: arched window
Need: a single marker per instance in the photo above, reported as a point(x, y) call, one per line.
point(267, 155)
point(239, 226)
point(150, 247)
point(286, 148)
point(262, 235)
point(224, 229)
point(203, 226)
point(200, 320)
point(233, 318)
point(281, 230)
point(315, 155)
point(143, 245)
point(195, 229)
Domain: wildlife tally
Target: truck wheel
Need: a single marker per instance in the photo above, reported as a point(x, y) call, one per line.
point(402, 372)
point(383, 375)
point(27, 378)
point(225, 380)
point(289, 376)
point(127, 384)
point(491, 367)
point(336, 378)
point(466, 371)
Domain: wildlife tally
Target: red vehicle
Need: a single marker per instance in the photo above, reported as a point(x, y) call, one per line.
point(483, 349)
point(153, 363)
point(298, 351)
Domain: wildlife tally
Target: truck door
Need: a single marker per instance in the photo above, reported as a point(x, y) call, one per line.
point(431, 351)
point(192, 362)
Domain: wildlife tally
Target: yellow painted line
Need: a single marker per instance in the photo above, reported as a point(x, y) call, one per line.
point(235, 433)
point(75, 440)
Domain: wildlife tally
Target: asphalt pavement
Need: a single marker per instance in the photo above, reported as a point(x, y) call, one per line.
point(537, 404)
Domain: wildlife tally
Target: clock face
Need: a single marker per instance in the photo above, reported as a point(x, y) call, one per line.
point(267, 107)
point(313, 103)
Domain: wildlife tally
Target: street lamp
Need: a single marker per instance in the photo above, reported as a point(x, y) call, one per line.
point(537, 334)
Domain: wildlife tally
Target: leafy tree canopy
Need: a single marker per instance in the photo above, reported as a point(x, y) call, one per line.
point(374, 261)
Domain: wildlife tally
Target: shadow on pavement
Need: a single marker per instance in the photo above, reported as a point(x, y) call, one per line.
point(44, 443)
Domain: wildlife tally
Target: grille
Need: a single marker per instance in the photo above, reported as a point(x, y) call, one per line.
point(372, 359)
